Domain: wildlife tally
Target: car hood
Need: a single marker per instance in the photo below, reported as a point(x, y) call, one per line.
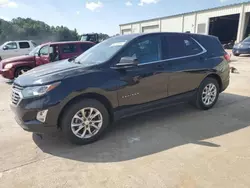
point(48, 73)
point(18, 58)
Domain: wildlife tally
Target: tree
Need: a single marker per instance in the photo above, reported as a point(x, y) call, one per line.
point(29, 29)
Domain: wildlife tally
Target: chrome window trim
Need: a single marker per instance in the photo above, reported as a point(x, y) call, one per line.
point(176, 58)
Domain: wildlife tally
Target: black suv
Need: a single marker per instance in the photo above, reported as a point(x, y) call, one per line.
point(120, 77)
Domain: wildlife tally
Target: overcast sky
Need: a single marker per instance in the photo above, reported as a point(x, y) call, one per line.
point(101, 15)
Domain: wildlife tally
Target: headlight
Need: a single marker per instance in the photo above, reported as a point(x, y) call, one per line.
point(8, 66)
point(38, 90)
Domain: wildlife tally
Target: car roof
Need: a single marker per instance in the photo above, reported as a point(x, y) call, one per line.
point(132, 36)
point(20, 41)
point(68, 42)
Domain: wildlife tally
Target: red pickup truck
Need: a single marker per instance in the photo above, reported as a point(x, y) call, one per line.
point(45, 53)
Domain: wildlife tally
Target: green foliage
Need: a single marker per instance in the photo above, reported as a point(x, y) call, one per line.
point(40, 32)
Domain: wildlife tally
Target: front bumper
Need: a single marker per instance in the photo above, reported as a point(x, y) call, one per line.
point(26, 112)
point(7, 73)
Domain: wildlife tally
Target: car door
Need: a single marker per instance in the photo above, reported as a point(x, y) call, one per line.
point(43, 55)
point(24, 48)
point(146, 82)
point(68, 50)
point(184, 61)
point(10, 49)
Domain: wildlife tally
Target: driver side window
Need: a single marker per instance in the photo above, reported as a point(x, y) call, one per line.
point(146, 49)
point(44, 51)
point(11, 46)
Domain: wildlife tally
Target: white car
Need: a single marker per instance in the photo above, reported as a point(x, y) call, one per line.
point(16, 48)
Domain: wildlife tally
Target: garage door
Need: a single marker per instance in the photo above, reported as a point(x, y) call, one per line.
point(126, 31)
point(150, 29)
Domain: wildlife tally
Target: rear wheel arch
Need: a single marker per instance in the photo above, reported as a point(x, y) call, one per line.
point(217, 78)
point(102, 99)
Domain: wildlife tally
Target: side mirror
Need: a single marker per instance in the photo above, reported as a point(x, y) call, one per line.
point(126, 62)
point(5, 48)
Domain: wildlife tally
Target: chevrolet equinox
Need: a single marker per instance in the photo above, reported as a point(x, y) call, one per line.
point(120, 77)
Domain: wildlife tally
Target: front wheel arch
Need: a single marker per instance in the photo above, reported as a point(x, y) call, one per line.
point(20, 68)
point(102, 99)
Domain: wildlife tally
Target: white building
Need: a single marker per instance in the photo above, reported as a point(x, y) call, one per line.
point(228, 23)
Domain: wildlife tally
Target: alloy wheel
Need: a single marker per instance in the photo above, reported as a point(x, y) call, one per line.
point(86, 122)
point(209, 94)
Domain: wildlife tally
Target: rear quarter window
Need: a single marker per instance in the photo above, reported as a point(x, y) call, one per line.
point(211, 44)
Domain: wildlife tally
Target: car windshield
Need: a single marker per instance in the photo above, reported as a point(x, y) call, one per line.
point(3, 44)
point(84, 37)
point(35, 50)
point(102, 51)
point(247, 39)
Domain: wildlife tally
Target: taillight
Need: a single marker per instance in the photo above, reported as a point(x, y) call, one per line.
point(227, 57)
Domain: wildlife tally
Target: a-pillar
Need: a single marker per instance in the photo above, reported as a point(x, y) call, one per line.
point(241, 27)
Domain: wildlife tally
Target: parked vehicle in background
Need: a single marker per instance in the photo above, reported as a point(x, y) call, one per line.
point(122, 76)
point(242, 48)
point(93, 37)
point(13, 67)
point(16, 48)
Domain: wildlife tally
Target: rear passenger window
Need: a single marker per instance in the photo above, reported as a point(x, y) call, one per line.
point(146, 50)
point(69, 48)
point(24, 45)
point(85, 46)
point(179, 46)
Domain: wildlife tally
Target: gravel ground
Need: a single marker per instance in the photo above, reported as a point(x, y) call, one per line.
point(177, 147)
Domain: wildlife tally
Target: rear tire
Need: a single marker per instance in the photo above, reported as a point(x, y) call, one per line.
point(236, 54)
point(21, 70)
point(207, 94)
point(79, 124)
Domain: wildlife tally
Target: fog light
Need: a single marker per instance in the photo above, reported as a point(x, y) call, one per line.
point(41, 116)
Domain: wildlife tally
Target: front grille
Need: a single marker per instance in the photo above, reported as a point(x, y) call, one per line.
point(17, 87)
point(16, 95)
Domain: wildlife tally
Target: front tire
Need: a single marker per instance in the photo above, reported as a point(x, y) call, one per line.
point(236, 54)
point(85, 122)
point(207, 94)
point(21, 70)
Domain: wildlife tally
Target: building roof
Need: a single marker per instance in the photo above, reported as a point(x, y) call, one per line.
point(198, 11)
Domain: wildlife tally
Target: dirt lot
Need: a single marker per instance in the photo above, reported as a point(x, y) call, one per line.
point(178, 147)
